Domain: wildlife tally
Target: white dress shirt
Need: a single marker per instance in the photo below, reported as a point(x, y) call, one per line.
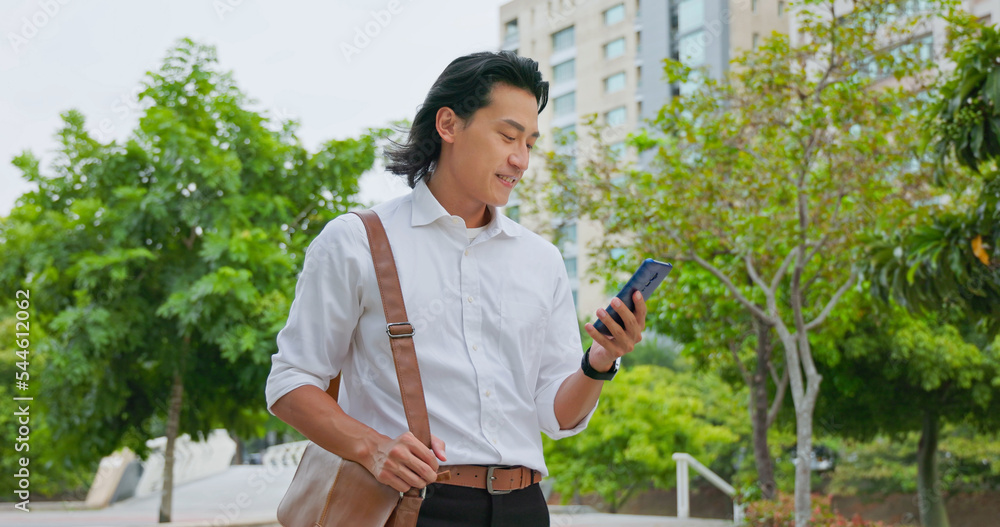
point(495, 330)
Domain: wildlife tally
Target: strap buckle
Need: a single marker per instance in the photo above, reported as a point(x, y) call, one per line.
point(489, 482)
point(389, 326)
point(423, 493)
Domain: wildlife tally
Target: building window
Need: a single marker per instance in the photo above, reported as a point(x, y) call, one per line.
point(575, 302)
point(615, 48)
point(564, 39)
point(690, 15)
point(616, 117)
point(564, 104)
point(571, 267)
point(565, 135)
point(756, 41)
point(567, 234)
point(753, 6)
point(638, 42)
point(691, 49)
point(781, 8)
point(614, 83)
point(564, 72)
point(638, 77)
point(510, 31)
point(618, 149)
point(924, 46)
point(614, 15)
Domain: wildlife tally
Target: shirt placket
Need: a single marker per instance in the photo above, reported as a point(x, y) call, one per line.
point(491, 416)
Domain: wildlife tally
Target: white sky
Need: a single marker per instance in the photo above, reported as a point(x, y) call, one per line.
point(287, 55)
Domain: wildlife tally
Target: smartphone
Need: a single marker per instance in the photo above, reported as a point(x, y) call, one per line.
point(645, 280)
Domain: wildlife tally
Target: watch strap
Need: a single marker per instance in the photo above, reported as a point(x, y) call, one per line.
point(589, 370)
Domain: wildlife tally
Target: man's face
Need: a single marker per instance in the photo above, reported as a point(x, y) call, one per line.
point(490, 150)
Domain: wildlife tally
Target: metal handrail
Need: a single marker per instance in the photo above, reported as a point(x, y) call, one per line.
point(683, 489)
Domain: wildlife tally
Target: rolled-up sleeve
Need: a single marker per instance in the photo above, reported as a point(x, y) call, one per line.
point(561, 359)
point(316, 338)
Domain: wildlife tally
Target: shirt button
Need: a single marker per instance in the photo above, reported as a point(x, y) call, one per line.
point(455, 220)
point(470, 299)
point(466, 253)
point(475, 347)
point(488, 393)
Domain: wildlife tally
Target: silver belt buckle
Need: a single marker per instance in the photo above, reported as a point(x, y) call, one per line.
point(489, 482)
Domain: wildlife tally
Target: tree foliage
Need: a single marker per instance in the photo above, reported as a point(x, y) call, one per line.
point(953, 258)
point(644, 416)
point(169, 257)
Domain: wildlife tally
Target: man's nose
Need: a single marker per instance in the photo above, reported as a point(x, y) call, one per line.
point(519, 159)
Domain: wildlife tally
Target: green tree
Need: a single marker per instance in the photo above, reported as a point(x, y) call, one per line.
point(644, 416)
point(769, 177)
point(953, 260)
point(895, 373)
point(950, 265)
point(161, 269)
point(720, 336)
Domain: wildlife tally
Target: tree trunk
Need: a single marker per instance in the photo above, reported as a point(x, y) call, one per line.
point(173, 424)
point(759, 420)
point(932, 510)
point(805, 391)
point(803, 467)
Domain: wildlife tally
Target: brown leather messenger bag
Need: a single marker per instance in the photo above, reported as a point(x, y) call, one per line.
point(329, 491)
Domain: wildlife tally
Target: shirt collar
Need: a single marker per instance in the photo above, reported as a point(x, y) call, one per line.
point(427, 209)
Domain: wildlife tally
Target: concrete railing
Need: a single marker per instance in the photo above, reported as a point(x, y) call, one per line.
point(285, 454)
point(192, 460)
point(685, 461)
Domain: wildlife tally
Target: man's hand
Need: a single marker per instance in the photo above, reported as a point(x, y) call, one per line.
point(405, 462)
point(606, 350)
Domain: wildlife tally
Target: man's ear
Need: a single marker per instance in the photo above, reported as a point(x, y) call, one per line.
point(447, 123)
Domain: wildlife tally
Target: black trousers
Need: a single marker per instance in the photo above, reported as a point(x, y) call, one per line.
point(455, 506)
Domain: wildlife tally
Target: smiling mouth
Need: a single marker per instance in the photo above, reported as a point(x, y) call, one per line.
point(509, 179)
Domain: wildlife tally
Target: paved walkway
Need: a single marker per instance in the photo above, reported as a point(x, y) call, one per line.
point(248, 495)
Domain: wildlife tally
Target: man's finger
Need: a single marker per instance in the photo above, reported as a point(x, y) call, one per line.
point(629, 323)
point(437, 445)
point(640, 309)
point(411, 478)
point(599, 338)
point(616, 330)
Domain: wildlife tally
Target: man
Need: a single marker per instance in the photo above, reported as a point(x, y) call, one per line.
point(495, 328)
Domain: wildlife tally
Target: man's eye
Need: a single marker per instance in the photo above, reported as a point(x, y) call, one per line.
point(507, 137)
point(531, 147)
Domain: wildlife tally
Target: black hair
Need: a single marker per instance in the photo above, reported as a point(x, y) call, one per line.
point(464, 86)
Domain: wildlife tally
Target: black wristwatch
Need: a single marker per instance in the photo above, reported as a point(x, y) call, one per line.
point(589, 370)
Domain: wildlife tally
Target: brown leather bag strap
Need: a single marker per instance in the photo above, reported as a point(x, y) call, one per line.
point(398, 327)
